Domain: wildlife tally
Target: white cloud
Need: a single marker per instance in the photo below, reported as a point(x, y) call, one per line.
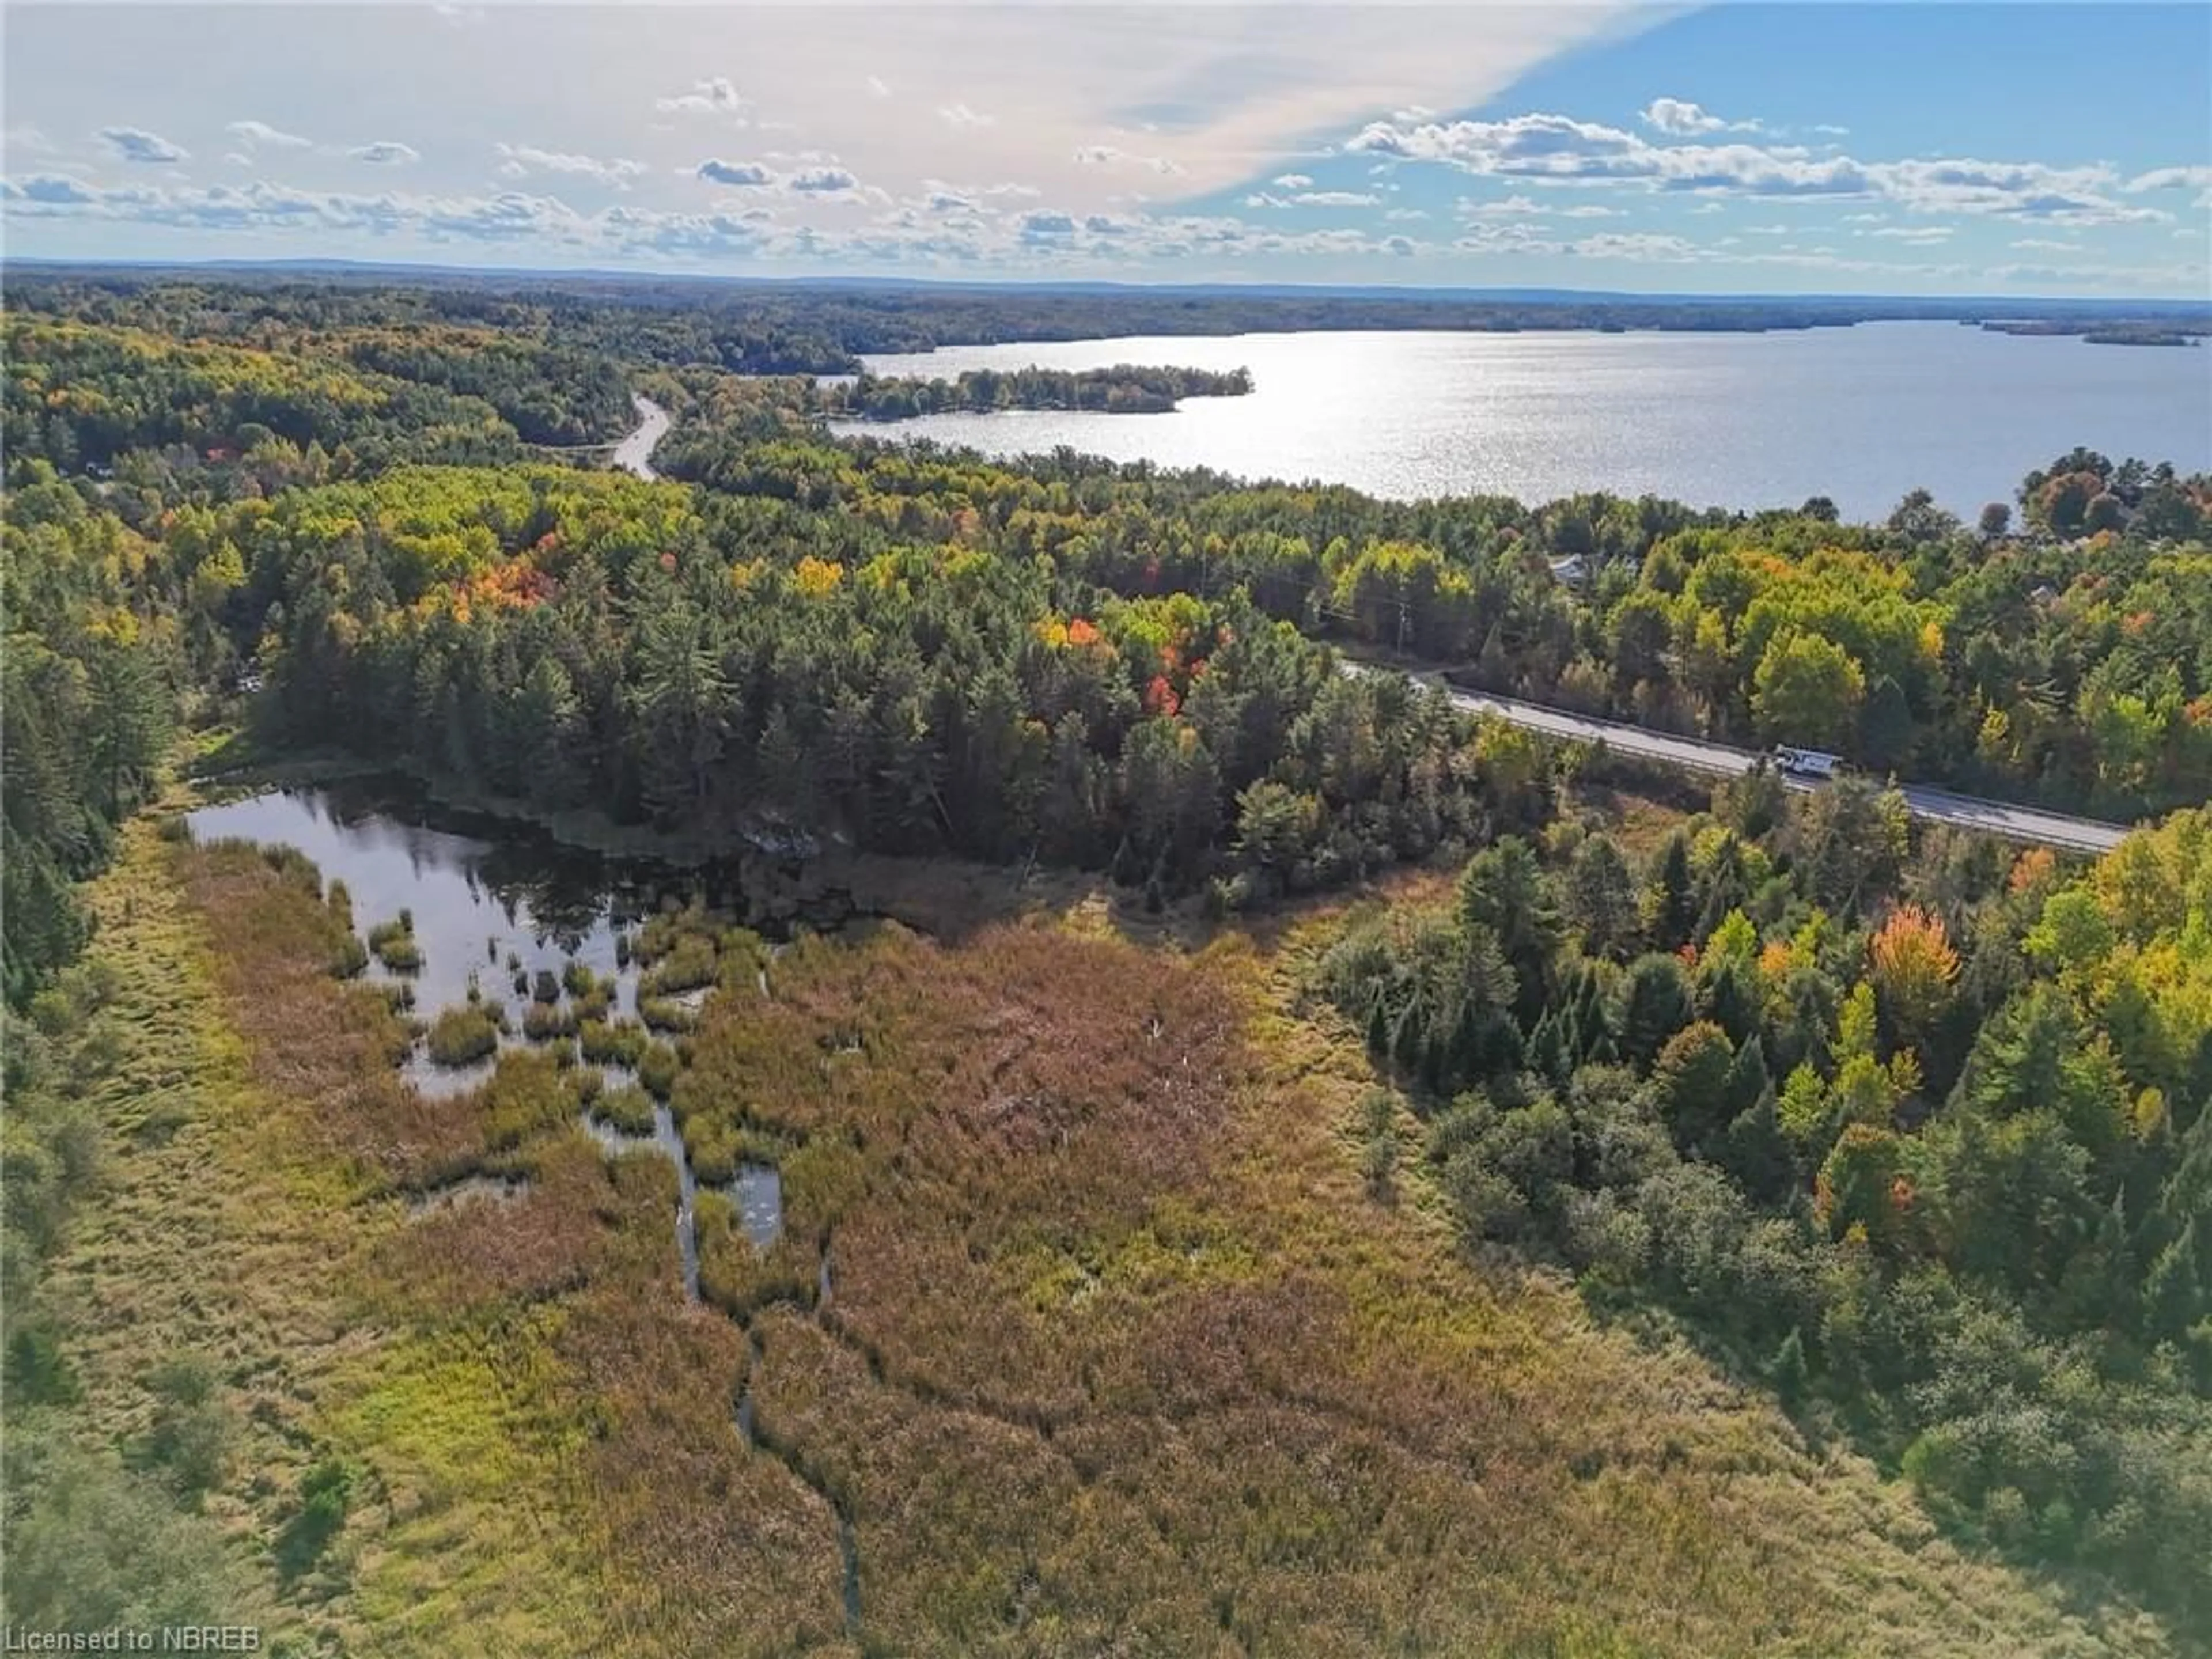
point(27, 140)
point(136, 144)
point(878, 87)
point(1005, 189)
point(509, 216)
point(1294, 181)
point(1920, 234)
point(2165, 279)
point(1405, 216)
point(1513, 207)
point(965, 231)
point(821, 181)
point(1559, 149)
point(51, 189)
point(742, 175)
point(1641, 245)
point(1315, 198)
point(2190, 177)
point(1107, 155)
point(959, 115)
point(1678, 118)
point(519, 161)
point(716, 95)
point(1522, 207)
point(385, 152)
point(2046, 244)
point(259, 135)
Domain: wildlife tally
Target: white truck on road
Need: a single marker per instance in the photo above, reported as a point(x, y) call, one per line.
point(1807, 762)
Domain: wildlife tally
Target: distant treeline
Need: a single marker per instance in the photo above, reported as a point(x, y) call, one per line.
point(1124, 389)
point(776, 330)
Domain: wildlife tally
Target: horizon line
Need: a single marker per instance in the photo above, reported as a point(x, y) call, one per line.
point(1070, 285)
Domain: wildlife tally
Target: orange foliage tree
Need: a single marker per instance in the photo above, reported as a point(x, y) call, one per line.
point(1914, 968)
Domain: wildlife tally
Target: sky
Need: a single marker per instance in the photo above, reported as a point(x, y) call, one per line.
point(1789, 147)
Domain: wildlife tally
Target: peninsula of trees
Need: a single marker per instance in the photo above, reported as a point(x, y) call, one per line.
point(1124, 389)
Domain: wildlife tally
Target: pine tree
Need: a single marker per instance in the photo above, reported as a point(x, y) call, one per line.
point(1674, 894)
point(1407, 1038)
point(1788, 1370)
point(1655, 1005)
point(1378, 1028)
point(1731, 1003)
point(1756, 1153)
point(1548, 1048)
point(1749, 1078)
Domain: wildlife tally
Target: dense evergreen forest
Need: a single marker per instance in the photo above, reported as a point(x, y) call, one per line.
point(1912, 1128)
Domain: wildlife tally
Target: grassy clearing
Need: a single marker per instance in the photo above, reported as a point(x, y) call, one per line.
point(199, 1243)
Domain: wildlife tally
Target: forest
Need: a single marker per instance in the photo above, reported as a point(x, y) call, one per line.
point(1906, 1132)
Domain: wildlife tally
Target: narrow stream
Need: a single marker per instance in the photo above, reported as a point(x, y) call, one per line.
point(669, 1142)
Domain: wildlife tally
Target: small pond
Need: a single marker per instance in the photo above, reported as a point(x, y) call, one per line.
point(509, 914)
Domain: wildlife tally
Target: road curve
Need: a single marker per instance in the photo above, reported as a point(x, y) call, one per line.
point(2023, 824)
point(634, 453)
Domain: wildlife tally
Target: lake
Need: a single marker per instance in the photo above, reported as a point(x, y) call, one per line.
point(1860, 415)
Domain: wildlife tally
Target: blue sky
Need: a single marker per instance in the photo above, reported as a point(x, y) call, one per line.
point(2029, 148)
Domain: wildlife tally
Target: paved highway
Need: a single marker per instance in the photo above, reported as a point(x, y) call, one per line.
point(634, 453)
point(1696, 755)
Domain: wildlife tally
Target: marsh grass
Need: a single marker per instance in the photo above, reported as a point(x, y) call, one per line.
point(666, 1014)
point(611, 1042)
point(1122, 1348)
point(463, 1036)
point(597, 997)
point(393, 943)
point(659, 1065)
point(628, 1107)
point(543, 1022)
